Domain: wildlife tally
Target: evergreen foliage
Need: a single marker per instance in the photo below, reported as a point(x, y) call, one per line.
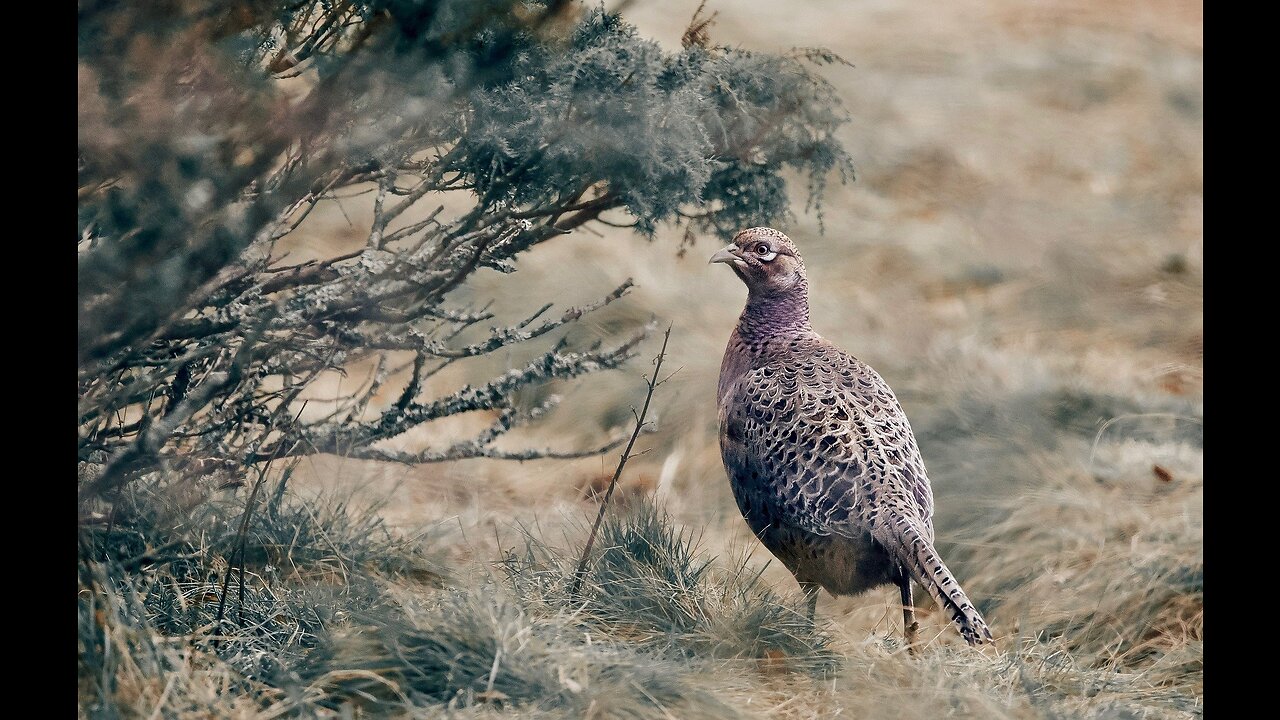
point(209, 132)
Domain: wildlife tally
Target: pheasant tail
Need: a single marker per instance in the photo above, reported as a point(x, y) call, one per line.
point(910, 547)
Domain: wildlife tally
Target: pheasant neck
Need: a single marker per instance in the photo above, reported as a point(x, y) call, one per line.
point(769, 317)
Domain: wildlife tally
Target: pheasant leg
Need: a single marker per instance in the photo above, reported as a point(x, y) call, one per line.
point(909, 624)
point(811, 597)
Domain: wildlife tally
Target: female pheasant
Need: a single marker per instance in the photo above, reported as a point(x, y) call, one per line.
point(819, 453)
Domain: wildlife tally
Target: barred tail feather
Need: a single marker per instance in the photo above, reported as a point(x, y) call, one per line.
point(926, 566)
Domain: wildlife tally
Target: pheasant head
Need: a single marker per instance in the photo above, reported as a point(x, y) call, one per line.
point(767, 261)
point(777, 287)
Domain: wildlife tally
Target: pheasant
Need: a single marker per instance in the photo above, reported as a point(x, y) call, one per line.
point(820, 456)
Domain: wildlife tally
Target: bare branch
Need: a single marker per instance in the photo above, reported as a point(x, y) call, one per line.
point(622, 462)
point(469, 451)
point(379, 219)
point(499, 337)
point(354, 438)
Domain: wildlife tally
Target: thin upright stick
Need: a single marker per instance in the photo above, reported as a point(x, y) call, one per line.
point(622, 462)
point(238, 552)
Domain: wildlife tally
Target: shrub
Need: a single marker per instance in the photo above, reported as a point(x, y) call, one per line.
point(475, 131)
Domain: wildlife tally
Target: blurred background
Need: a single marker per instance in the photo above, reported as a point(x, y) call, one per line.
point(1020, 257)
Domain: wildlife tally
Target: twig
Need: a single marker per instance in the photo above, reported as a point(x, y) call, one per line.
point(379, 222)
point(237, 553)
point(153, 557)
point(622, 462)
point(236, 557)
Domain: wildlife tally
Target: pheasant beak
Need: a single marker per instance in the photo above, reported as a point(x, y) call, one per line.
point(726, 254)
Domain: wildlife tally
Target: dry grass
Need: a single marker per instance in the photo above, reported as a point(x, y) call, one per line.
point(1097, 602)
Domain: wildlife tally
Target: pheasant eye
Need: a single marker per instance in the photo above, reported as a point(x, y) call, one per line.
point(764, 252)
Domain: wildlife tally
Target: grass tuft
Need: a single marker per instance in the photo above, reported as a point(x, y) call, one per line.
point(480, 647)
point(650, 583)
point(151, 584)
